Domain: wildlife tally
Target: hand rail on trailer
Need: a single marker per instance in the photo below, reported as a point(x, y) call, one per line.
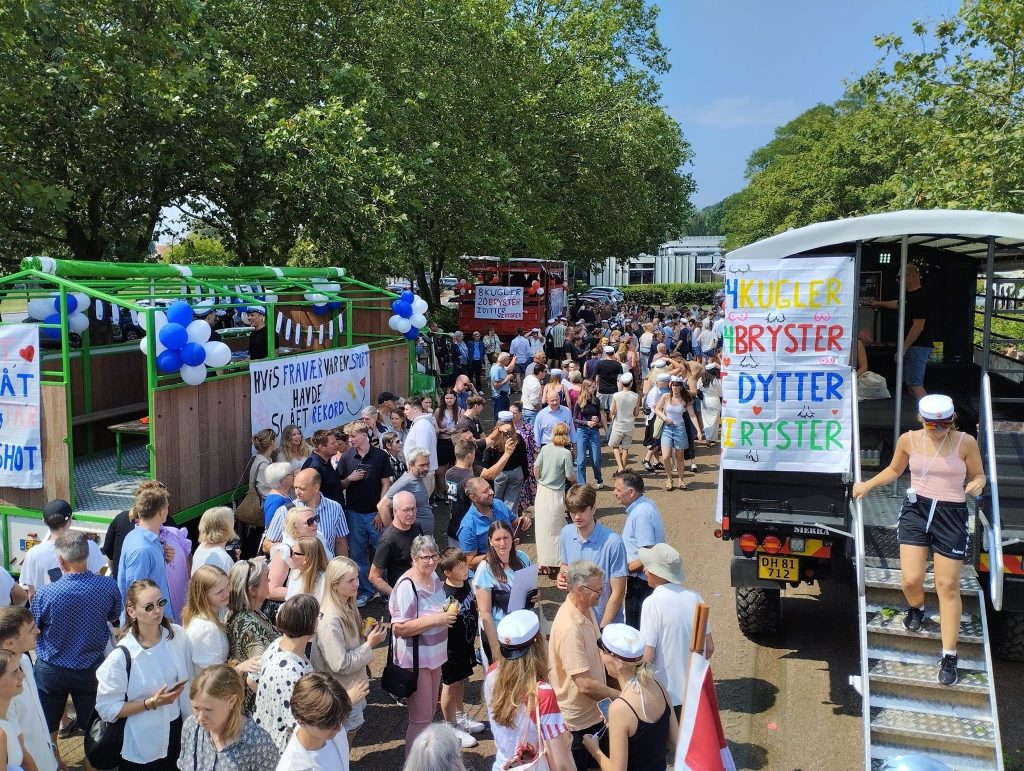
point(993, 525)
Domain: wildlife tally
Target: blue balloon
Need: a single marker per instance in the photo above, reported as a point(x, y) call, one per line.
point(335, 305)
point(51, 333)
point(193, 354)
point(403, 309)
point(408, 296)
point(412, 334)
point(173, 336)
point(180, 312)
point(319, 310)
point(72, 303)
point(168, 361)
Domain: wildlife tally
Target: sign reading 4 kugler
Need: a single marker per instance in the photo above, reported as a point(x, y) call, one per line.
point(21, 463)
point(499, 302)
point(786, 375)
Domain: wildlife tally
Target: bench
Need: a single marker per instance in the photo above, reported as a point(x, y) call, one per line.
point(113, 412)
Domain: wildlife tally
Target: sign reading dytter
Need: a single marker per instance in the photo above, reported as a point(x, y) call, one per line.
point(786, 373)
point(322, 389)
point(499, 302)
point(21, 463)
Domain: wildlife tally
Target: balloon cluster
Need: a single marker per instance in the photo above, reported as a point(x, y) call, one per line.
point(322, 304)
point(183, 343)
point(47, 310)
point(535, 288)
point(462, 286)
point(409, 316)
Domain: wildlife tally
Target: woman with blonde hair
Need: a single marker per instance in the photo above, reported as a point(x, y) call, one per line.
point(306, 574)
point(642, 725)
point(552, 470)
point(203, 619)
point(218, 734)
point(216, 528)
point(340, 648)
point(521, 704)
point(294, 448)
point(265, 444)
point(13, 754)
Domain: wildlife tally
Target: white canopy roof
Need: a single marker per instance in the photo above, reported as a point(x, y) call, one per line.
point(963, 232)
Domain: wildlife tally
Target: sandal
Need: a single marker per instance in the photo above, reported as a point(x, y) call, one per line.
point(668, 486)
point(682, 487)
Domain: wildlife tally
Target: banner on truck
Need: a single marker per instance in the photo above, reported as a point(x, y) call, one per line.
point(499, 302)
point(786, 376)
point(21, 461)
point(322, 389)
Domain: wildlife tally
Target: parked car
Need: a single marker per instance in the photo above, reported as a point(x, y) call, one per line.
point(613, 291)
point(448, 282)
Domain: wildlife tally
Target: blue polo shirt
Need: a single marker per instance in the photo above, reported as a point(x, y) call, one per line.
point(605, 549)
point(643, 528)
point(473, 530)
point(142, 556)
point(72, 615)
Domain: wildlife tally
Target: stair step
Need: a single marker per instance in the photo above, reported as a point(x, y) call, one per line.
point(924, 676)
point(977, 732)
point(911, 651)
point(881, 752)
point(891, 578)
point(971, 631)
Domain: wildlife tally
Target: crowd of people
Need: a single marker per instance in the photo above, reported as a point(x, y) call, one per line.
point(251, 650)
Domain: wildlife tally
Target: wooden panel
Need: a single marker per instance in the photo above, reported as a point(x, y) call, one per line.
point(389, 371)
point(56, 475)
point(117, 379)
point(179, 454)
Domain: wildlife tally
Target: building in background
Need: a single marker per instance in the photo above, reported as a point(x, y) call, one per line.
point(689, 259)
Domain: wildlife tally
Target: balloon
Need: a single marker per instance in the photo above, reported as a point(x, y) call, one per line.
point(404, 309)
point(168, 361)
point(53, 334)
point(396, 304)
point(419, 305)
point(83, 301)
point(496, 279)
point(41, 308)
point(540, 292)
point(412, 334)
point(159, 319)
point(198, 332)
point(418, 320)
point(535, 282)
point(193, 354)
point(408, 296)
point(174, 336)
point(72, 303)
point(320, 310)
point(180, 312)
point(331, 288)
point(479, 278)
point(394, 321)
point(270, 299)
point(78, 322)
point(317, 299)
point(193, 375)
point(531, 290)
point(217, 353)
point(404, 325)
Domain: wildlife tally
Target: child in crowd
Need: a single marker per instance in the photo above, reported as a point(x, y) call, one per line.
point(319, 706)
point(461, 644)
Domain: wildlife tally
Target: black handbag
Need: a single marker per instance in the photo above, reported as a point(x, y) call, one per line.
point(104, 740)
point(398, 681)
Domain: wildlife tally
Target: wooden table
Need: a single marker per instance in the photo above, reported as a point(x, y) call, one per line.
point(136, 427)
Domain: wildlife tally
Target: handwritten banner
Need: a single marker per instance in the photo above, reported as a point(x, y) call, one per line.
point(322, 389)
point(786, 373)
point(499, 302)
point(21, 462)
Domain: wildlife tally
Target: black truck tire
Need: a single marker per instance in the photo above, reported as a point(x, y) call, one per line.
point(1009, 629)
point(758, 611)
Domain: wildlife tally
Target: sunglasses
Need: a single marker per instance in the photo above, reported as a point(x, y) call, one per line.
point(312, 520)
point(149, 607)
point(298, 553)
point(938, 423)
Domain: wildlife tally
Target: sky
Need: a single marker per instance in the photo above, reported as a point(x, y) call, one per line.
point(742, 68)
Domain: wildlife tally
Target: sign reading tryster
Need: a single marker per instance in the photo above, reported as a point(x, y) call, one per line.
point(786, 364)
point(322, 389)
point(499, 302)
point(21, 463)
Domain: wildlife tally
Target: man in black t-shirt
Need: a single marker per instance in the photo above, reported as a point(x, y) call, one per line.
point(917, 337)
point(607, 373)
point(394, 549)
point(455, 479)
point(325, 446)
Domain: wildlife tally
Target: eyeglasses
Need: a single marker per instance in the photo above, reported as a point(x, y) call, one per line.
point(312, 520)
point(428, 557)
point(595, 591)
point(149, 607)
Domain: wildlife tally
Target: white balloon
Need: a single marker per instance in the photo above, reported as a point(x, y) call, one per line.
point(144, 346)
point(418, 320)
point(83, 301)
point(270, 299)
point(331, 287)
point(193, 375)
point(41, 308)
point(393, 322)
point(540, 292)
point(317, 299)
point(419, 306)
point(198, 331)
point(78, 322)
point(217, 353)
point(160, 318)
point(403, 325)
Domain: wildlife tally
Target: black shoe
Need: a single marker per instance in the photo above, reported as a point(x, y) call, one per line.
point(647, 466)
point(659, 466)
point(913, 619)
point(948, 674)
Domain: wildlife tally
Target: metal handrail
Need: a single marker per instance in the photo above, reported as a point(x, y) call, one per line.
point(858, 545)
point(994, 529)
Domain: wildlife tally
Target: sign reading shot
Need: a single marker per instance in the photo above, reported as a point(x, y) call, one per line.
point(786, 372)
point(322, 389)
point(21, 463)
point(499, 302)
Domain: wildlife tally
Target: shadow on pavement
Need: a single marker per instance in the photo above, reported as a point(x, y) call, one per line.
point(749, 695)
point(747, 755)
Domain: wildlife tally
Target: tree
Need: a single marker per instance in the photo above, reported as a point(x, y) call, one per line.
point(705, 222)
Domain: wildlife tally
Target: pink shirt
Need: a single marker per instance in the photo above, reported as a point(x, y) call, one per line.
point(940, 476)
point(434, 641)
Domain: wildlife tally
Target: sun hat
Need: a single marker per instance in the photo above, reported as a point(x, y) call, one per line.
point(711, 365)
point(516, 633)
point(662, 560)
point(622, 641)
point(936, 407)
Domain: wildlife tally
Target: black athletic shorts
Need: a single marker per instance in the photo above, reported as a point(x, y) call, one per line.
point(649, 440)
point(946, 533)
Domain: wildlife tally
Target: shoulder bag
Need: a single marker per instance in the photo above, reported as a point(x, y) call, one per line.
point(104, 740)
point(250, 509)
point(398, 681)
point(527, 757)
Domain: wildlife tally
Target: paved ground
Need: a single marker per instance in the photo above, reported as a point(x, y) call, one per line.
point(785, 700)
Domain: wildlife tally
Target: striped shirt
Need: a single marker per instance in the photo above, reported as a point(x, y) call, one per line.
point(332, 525)
point(403, 607)
point(524, 728)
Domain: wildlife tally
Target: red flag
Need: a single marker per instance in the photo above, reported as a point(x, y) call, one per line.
point(702, 745)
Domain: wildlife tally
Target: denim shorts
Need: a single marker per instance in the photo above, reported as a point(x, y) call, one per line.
point(914, 360)
point(674, 437)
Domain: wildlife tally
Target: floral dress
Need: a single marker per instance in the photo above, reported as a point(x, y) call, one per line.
point(249, 634)
point(529, 491)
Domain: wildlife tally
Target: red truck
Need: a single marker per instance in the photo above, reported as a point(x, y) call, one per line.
point(506, 294)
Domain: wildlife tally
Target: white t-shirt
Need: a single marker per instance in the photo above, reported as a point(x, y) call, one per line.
point(625, 403)
point(42, 558)
point(204, 555)
point(209, 643)
point(332, 757)
point(294, 585)
point(531, 393)
point(666, 624)
point(29, 714)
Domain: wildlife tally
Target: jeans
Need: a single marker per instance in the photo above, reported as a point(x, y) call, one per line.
point(588, 437)
point(507, 487)
point(362, 540)
point(56, 683)
point(637, 590)
point(529, 415)
point(500, 403)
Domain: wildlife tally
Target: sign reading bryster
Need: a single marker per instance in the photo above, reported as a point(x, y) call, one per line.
point(786, 376)
point(499, 302)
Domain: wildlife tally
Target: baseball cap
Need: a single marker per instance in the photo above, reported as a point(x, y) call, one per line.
point(516, 633)
point(662, 560)
point(56, 511)
point(555, 372)
point(622, 641)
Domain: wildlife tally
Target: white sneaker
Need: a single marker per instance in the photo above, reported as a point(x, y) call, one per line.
point(465, 723)
point(466, 739)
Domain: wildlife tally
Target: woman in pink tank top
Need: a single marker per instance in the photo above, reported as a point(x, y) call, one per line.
point(945, 467)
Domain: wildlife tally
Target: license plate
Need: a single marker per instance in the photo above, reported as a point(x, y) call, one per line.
point(27, 544)
point(778, 568)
